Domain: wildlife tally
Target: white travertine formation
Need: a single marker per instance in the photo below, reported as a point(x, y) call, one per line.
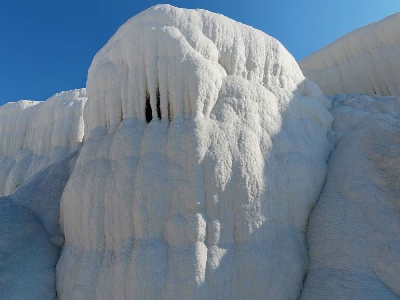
point(35, 134)
point(30, 237)
point(204, 154)
point(354, 229)
point(365, 60)
point(205, 150)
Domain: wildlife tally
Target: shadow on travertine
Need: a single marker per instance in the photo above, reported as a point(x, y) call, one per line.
point(354, 229)
point(36, 134)
point(30, 237)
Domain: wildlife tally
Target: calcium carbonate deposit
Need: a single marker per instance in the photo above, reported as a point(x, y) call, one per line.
point(30, 237)
point(206, 150)
point(365, 60)
point(36, 134)
point(354, 229)
point(198, 169)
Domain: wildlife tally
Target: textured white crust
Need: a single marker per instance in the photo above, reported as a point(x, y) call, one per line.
point(35, 134)
point(210, 199)
point(354, 229)
point(365, 60)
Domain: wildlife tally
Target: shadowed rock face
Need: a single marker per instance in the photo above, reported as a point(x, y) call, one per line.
point(30, 238)
point(205, 150)
point(353, 234)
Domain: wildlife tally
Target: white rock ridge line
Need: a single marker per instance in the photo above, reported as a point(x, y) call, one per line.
point(35, 134)
point(362, 61)
point(353, 234)
point(206, 196)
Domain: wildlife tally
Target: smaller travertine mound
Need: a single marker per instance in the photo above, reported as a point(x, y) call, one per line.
point(35, 134)
point(365, 60)
point(354, 229)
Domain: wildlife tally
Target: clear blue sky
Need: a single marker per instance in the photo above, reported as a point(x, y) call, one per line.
point(47, 46)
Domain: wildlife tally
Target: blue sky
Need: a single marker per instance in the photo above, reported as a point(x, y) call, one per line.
point(47, 46)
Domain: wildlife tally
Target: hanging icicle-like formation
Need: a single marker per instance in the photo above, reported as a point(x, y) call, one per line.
point(168, 62)
point(205, 150)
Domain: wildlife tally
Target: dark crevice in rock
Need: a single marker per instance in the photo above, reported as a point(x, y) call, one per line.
point(158, 104)
point(148, 111)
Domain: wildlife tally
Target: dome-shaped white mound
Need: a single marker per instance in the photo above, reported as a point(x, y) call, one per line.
point(206, 150)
